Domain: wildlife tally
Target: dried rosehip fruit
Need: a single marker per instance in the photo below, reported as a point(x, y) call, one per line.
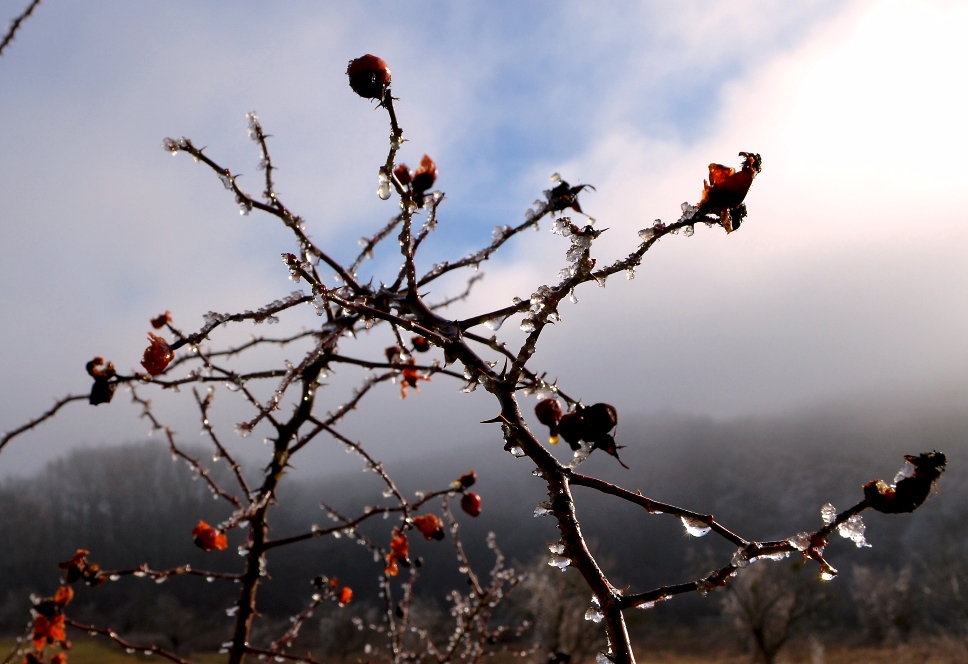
point(423, 179)
point(726, 188)
point(393, 354)
point(420, 344)
point(912, 486)
point(369, 76)
point(470, 502)
point(161, 320)
point(404, 174)
point(157, 355)
point(208, 538)
point(430, 526)
point(565, 196)
point(399, 552)
point(468, 479)
point(548, 412)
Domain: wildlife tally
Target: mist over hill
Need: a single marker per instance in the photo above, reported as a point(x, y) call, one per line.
point(764, 478)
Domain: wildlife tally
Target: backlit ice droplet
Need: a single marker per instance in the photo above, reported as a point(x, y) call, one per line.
point(828, 513)
point(695, 527)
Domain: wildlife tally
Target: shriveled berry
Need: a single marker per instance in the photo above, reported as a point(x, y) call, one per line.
point(423, 179)
point(369, 76)
point(430, 526)
point(208, 538)
point(157, 355)
point(471, 503)
point(468, 479)
point(420, 344)
point(404, 174)
point(393, 354)
point(161, 320)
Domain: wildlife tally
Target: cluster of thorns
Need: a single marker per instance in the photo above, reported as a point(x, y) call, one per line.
point(346, 306)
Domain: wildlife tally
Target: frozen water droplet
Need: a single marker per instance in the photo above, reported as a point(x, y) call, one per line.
point(800, 541)
point(853, 529)
point(905, 472)
point(688, 231)
point(779, 555)
point(827, 576)
point(527, 325)
point(594, 614)
point(695, 527)
point(630, 273)
point(602, 658)
point(572, 297)
point(114, 577)
point(646, 234)
point(561, 562)
point(543, 509)
point(210, 579)
point(828, 513)
point(231, 611)
point(516, 452)
point(556, 547)
point(495, 323)
point(740, 558)
point(555, 179)
point(383, 191)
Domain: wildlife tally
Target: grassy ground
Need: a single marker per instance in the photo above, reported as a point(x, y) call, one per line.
point(98, 651)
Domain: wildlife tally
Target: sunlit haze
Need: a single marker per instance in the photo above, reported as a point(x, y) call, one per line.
point(847, 279)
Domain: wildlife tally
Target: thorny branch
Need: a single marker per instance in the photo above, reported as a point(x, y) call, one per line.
point(356, 307)
point(16, 23)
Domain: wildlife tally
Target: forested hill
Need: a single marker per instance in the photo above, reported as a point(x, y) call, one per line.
point(762, 478)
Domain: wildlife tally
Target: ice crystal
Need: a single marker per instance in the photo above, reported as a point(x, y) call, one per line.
point(695, 527)
point(800, 541)
point(740, 558)
point(828, 513)
point(594, 614)
point(853, 529)
point(561, 562)
point(495, 323)
point(383, 191)
point(543, 509)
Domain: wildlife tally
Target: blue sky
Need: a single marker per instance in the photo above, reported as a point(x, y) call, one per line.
point(849, 276)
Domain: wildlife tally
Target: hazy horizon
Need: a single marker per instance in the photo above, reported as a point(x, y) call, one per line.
point(844, 282)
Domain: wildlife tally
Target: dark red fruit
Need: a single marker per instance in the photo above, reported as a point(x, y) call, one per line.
point(471, 503)
point(599, 419)
point(369, 76)
point(571, 428)
point(548, 411)
point(420, 344)
point(157, 355)
point(404, 174)
point(909, 492)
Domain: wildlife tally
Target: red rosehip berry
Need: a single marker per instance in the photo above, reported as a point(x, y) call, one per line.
point(157, 355)
point(369, 76)
point(471, 503)
point(420, 344)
